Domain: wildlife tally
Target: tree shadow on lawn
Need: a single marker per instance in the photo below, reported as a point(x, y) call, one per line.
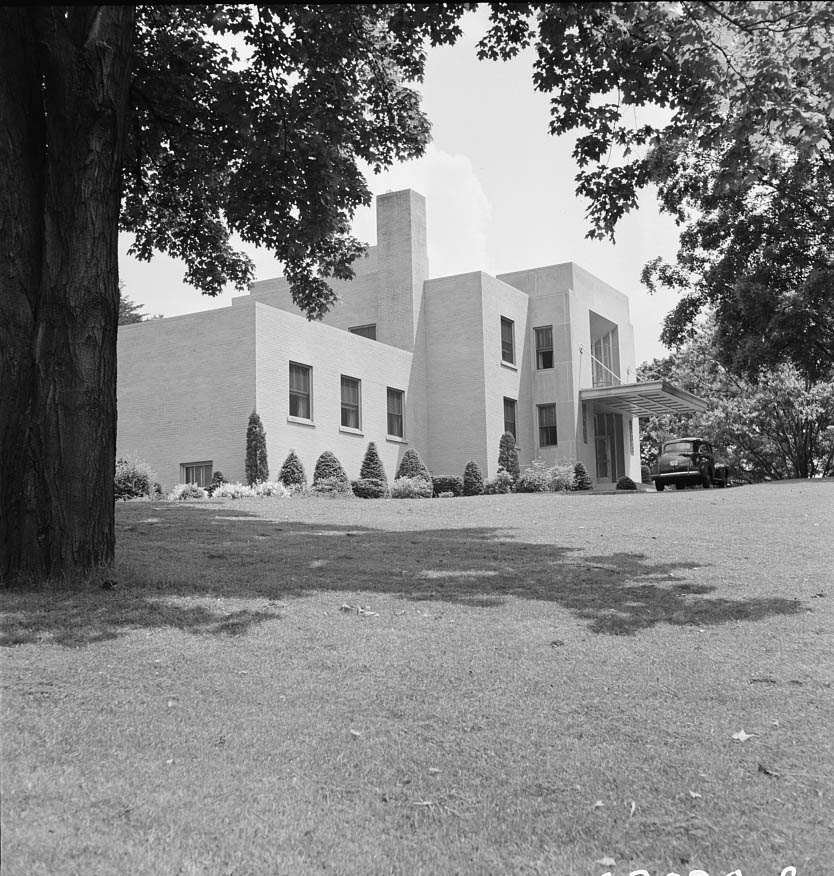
point(167, 562)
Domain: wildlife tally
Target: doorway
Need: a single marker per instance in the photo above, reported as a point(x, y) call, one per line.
point(610, 453)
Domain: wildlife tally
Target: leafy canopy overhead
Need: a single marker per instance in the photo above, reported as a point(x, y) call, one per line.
point(780, 425)
point(743, 160)
point(266, 145)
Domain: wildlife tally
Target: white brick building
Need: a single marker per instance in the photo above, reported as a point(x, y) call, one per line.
point(442, 365)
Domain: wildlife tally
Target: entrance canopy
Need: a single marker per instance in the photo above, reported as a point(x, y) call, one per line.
point(643, 399)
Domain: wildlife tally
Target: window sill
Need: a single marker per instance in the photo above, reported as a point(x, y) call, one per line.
point(350, 430)
point(511, 365)
point(301, 421)
point(396, 440)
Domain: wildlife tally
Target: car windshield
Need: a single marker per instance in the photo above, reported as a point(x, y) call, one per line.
point(678, 447)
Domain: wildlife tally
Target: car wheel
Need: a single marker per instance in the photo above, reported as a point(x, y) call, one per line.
point(659, 486)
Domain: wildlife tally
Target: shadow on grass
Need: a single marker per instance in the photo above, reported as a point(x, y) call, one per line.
point(174, 560)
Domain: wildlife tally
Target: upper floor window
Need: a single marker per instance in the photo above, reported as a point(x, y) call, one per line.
point(603, 352)
point(544, 347)
point(351, 418)
point(547, 425)
point(396, 405)
point(507, 340)
point(509, 416)
point(365, 331)
point(300, 392)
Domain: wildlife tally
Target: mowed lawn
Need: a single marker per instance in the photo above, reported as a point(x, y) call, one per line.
point(498, 685)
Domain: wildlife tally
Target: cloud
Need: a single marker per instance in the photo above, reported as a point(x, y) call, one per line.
point(458, 210)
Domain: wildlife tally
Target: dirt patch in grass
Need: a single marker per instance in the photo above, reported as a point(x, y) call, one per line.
point(510, 684)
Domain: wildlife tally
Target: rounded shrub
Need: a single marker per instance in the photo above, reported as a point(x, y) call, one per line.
point(292, 474)
point(372, 467)
point(234, 491)
point(626, 483)
point(369, 488)
point(562, 476)
point(581, 478)
point(447, 485)
point(188, 491)
point(645, 474)
point(133, 479)
point(473, 480)
point(534, 479)
point(501, 483)
point(411, 488)
point(411, 466)
point(508, 455)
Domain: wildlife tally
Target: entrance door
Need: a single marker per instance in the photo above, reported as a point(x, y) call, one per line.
point(608, 430)
point(603, 447)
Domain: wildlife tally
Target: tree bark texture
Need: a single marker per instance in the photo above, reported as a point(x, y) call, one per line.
point(64, 78)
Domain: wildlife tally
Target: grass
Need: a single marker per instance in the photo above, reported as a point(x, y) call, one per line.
point(498, 685)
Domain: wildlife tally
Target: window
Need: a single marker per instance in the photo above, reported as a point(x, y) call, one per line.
point(547, 425)
point(196, 473)
point(364, 331)
point(350, 403)
point(509, 416)
point(544, 347)
point(602, 361)
point(300, 405)
point(396, 399)
point(507, 340)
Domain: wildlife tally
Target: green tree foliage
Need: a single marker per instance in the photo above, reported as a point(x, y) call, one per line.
point(372, 466)
point(581, 478)
point(217, 481)
point(779, 426)
point(133, 479)
point(412, 466)
point(145, 118)
point(257, 468)
point(508, 455)
point(473, 479)
point(129, 312)
point(742, 159)
point(328, 468)
point(292, 472)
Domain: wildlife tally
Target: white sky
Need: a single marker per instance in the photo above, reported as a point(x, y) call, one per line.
point(500, 197)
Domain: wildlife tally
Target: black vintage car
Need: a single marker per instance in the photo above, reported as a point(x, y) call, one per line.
point(688, 462)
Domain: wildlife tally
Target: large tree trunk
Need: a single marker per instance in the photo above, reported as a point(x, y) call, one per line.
point(64, 77)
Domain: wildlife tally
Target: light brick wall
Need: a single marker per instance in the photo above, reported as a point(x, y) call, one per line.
point(454, 374)
point(330, 352)
point(186, 387)
point(403, 265)
point(466, 381)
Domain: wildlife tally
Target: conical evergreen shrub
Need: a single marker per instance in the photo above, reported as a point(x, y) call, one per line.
point(411, 466)
point(292, 473)
point(581, 479)
point(328, 468)
point(473, 479)
point(257, 469)
point(372, 466)
point(508, 455)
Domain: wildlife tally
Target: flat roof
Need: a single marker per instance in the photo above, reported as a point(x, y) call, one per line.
point(644, 399)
